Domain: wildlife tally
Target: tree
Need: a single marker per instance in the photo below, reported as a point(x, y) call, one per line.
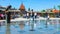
point(59, 7)
point(43, 11)
point(54, 7)
point(28, 9)
point(43, 14)
point(59, 10)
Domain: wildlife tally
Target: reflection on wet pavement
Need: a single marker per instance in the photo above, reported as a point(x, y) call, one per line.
point(39, 28)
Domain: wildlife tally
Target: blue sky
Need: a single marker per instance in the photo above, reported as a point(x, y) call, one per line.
point(33, 4)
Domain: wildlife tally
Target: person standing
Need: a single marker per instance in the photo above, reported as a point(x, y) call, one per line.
point(8, 14)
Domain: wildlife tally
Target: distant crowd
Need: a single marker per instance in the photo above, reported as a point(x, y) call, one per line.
point(2, 16)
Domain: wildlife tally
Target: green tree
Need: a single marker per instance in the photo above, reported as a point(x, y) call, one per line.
point(43, 14)
point(59, 7)
point(59, 10)
point(43, 11)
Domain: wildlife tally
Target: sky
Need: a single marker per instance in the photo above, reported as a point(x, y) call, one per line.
point(36, 5)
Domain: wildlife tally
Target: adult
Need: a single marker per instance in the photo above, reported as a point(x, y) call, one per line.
point(2, 15)
point(8, 13)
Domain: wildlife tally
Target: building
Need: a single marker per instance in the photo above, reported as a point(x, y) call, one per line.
point(22, 12)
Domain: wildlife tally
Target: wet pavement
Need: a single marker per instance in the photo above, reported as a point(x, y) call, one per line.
point(39, 28)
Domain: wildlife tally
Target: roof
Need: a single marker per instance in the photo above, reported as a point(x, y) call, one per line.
point(22, 7)
point(6, 7)
point(55, 11)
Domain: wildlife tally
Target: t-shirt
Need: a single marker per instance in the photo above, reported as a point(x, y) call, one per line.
point(1, 15)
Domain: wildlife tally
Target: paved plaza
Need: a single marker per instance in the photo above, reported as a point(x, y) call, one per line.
point(14, 28)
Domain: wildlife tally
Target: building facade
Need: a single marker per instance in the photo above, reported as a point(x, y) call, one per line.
point(22, 12)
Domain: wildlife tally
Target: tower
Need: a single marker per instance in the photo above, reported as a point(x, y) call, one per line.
point(22, 7)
